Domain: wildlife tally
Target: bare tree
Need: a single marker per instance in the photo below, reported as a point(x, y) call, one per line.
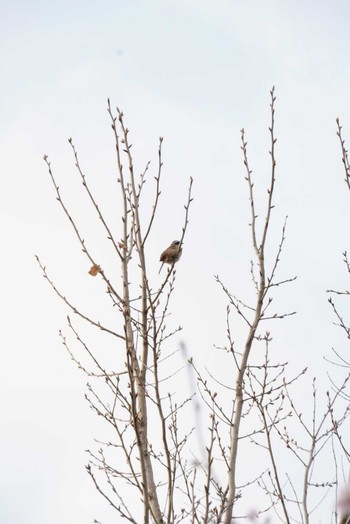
point(340, 361)
point(263, 412)
point(149, 453)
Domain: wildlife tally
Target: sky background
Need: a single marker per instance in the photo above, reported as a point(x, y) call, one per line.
point(194, 72)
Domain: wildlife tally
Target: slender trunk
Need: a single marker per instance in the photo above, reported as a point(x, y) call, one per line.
point(239, 406)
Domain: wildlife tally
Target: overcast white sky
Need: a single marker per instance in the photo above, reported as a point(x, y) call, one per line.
point(195, 72)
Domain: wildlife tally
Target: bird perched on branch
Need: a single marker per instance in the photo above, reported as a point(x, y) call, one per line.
point(171, 255)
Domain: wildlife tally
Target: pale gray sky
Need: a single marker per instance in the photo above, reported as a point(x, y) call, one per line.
point(195, 72)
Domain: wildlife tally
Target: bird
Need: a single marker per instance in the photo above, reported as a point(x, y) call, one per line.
point(171, 255)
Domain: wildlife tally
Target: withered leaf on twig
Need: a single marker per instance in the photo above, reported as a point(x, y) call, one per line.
point(95, 269)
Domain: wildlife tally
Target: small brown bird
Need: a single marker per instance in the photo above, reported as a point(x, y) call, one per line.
point(171, 255)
